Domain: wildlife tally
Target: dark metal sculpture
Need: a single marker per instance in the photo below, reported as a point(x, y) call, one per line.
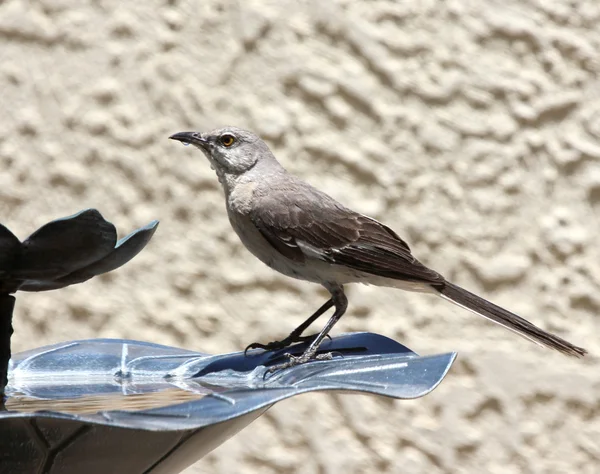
point(101, 405)
point(61, 253)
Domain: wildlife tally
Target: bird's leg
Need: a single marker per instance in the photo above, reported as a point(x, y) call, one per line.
point(341, 303)
point(296, 334)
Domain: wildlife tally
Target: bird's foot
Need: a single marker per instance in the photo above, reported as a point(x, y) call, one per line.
point(277, 345)
point(302, 359)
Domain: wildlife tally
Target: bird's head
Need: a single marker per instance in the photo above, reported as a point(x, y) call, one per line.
point(231, 150)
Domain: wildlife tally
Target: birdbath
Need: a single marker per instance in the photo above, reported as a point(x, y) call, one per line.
point(113, 405)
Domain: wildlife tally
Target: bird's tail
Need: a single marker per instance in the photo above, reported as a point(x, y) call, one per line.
point(477, 305)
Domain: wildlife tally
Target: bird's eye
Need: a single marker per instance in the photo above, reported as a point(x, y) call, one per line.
point(227, 140)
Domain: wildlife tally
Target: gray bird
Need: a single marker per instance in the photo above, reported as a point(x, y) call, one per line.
point(303, 233)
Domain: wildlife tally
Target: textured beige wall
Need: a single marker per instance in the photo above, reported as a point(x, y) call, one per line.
point(470, 127)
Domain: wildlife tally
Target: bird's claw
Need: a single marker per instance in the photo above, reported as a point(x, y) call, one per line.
point(277, 345)
point(271, 346)
point(302, 359)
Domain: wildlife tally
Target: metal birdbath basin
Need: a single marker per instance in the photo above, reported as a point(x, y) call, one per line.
point(103, 405)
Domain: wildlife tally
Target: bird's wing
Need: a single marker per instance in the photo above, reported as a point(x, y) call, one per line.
point(301, 222)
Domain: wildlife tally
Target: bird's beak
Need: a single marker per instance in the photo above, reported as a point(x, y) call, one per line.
point(191, 138)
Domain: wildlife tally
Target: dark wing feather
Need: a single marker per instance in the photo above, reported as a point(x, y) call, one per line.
point(299, 216)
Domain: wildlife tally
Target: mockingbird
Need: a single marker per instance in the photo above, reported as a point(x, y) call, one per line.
point(303, 233)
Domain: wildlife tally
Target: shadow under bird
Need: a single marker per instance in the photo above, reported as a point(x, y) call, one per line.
point(303, 233)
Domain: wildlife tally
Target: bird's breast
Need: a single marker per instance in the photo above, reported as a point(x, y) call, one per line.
point(239, 198)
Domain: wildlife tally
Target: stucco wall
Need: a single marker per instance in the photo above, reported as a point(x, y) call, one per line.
point(470, 127)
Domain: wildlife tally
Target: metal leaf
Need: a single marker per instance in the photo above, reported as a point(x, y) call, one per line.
point(127, 248)
point(41, 285)
point(66, 245)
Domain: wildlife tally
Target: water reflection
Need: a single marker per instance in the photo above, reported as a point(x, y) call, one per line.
point(88, 404)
